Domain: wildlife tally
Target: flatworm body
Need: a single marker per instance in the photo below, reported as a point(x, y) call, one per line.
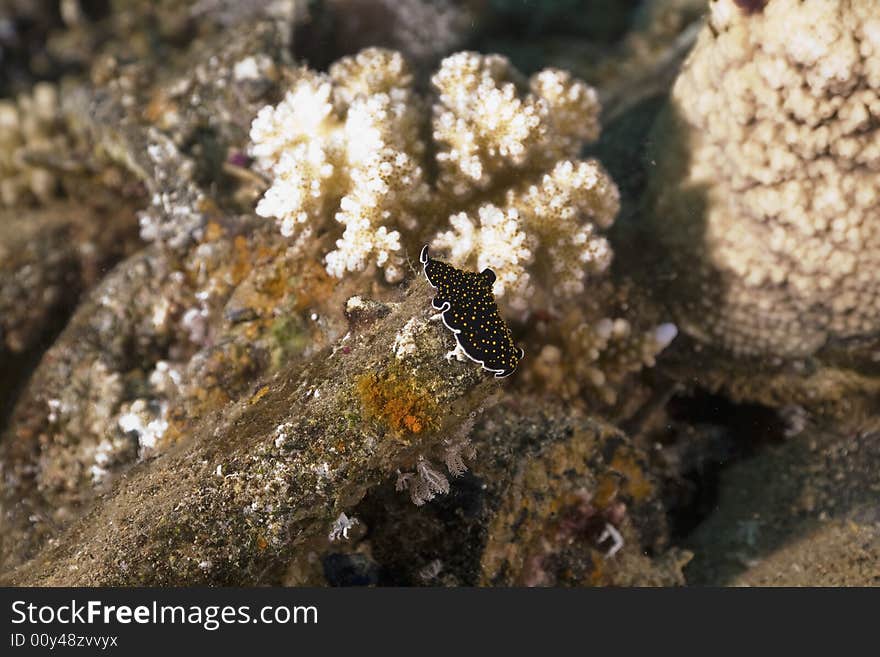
point(468, 308)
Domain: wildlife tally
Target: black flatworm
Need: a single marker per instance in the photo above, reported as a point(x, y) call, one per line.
point(468, 308)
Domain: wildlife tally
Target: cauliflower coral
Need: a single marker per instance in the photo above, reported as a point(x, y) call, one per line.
point(548, 227)
point(29, 125)
point(346, 145)
point(351, 147)
point(766, 191)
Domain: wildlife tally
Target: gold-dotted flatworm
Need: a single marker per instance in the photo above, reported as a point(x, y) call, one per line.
point(468, 308)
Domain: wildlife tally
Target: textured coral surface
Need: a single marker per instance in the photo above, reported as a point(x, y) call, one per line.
point(766, 179)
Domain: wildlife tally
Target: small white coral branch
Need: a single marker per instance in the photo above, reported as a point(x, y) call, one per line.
point(341, 526)
point(611, 532)
point(480, 123)
point(546, 237)
point(424, 484)
point(345, 146)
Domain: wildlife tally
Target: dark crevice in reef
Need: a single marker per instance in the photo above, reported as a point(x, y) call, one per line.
point(753, 425)
point(17, 372)
point(17, 368)
point(342, 569)
point(401, 534)
point(706, 434)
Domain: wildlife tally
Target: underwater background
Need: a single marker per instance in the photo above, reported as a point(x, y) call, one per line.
point(451, 293)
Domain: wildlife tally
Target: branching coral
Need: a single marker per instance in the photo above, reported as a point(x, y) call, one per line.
point(348, 146)
point(486, 133)
point(548, 228)
point(29, 126)
point(767, 206)
point(484, 126)
point(599, 356)
point(593, 351)
point(346, 143)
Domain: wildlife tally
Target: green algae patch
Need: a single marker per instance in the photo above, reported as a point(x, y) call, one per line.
point(290, 338)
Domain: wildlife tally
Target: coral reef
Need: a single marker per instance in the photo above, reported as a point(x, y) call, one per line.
point(647, 60)
point(347, 146)
point(223, 316)
point(221, 362)
point(566, 518)
point(176, 120)
point(287, 460)
point(161, 342)
point(766, 164)
point(542, 489)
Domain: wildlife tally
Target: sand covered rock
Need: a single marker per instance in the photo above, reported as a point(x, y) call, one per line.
point(228, 502)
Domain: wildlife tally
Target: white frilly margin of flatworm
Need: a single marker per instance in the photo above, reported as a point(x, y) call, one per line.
point(499, 374)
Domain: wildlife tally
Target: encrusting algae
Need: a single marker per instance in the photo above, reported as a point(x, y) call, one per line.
point(398, 399)
point(220, 305)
